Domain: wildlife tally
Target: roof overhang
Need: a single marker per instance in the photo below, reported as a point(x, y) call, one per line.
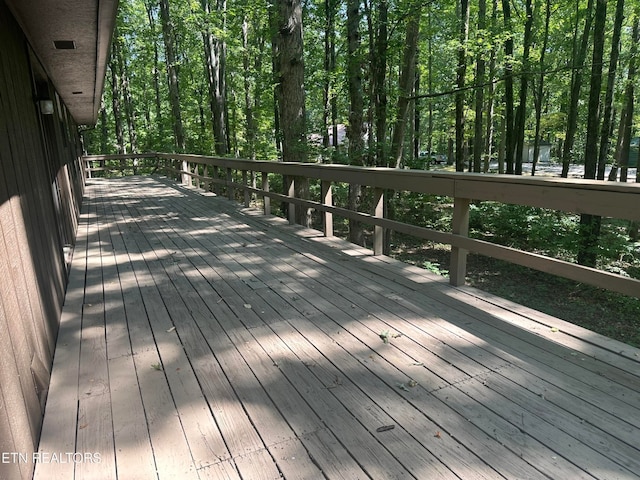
point(72, 39)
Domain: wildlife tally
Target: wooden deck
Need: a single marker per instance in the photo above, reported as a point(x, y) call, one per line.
point(202, 340)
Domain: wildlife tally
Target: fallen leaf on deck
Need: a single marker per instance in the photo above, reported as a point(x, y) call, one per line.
point(385, 336)
point(554, 329)
point(438, 435)
point(84, 425)
point(412, 383)
point(171, 329)
point(156, 366)
point(247, 305)
point(385, 428)
point(417, 364)
point(396, 335)
point(402, 386)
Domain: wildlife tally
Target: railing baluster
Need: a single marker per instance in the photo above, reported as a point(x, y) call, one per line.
point(266, 200)
point(247, 193)
point(378, 211)
point(291, 208)
point(327, 199)
point(231, 191)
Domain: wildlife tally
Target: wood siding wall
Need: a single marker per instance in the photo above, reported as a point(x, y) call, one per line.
point(41, 188)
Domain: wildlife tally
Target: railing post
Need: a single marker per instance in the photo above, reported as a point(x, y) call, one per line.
point(247, 193)
point(327, 199)
point(266, 200)
point(231, 191)
point(291, 208)
point(460, 226)
point(378, 212)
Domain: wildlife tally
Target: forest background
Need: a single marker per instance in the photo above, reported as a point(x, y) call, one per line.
point(482, 86)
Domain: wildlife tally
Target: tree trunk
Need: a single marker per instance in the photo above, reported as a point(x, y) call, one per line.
point(491, 101)
point(576, 85)
point(214, 67)
point(524, 82)
point(129, 107)
point(116, 96)
point(509, 140)
point(478, 127)
point(379, 65)
point(329, 97)
point(248, 102)
point(172, 72)
point(291, 98)
point(149, 6)
point(626, 117)
point(590, 224)
point(540, 90)
point(290, 74)
point(460, 83)
point(356, 112)
point(605, 132)
point(405, 87)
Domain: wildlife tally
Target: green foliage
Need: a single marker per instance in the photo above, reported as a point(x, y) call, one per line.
point(552, 233)
point(525, 228)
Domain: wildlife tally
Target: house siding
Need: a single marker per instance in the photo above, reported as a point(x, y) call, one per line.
point(41, 188)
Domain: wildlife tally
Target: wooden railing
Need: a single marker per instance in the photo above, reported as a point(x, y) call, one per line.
point(607, 199)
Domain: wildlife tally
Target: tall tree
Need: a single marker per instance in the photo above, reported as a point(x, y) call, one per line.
point(461, 73)
point(605, 131)
point(478, 131)
point(214, 49)
point(356, 111)
point(290, 76)
point(172, 72)
point(116, 96)
point(330, 111)
point(509, 133)
point(626, 118)
point(379, 71)
point(491, 100)
point(406, 85)
point(150, 6)
point(524, 83)
point(291, 95)
point(578, 57)
point(125, 90)
point(590, 224)
point(540, 87)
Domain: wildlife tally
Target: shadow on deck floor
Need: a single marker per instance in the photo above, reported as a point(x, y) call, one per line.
point(203, 340)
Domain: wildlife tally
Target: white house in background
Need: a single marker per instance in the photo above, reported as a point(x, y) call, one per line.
point(543, 157)
point(316, 138)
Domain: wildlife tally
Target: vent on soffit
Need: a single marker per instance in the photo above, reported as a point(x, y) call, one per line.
point(64, 44)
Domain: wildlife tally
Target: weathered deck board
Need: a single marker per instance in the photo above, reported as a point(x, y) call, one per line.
point(202, 340)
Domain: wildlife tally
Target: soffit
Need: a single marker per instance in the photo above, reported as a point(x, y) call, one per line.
point(78, 73)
